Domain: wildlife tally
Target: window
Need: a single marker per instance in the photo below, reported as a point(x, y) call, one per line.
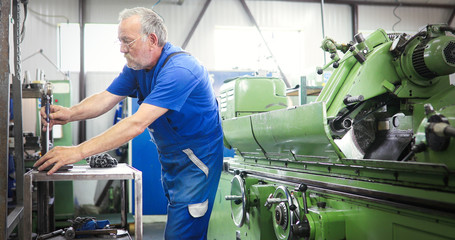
point(102, 53)
point(242, 48)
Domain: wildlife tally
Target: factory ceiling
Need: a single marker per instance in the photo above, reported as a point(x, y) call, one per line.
point(416, 3)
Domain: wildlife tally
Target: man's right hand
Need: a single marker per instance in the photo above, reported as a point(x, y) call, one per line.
point(58, 116)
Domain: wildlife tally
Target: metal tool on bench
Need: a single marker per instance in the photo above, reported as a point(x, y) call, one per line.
point(71, 233)
point(47, 140)
point(46, 101)
point(51, 234)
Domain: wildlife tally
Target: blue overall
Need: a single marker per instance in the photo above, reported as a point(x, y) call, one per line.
point(188, 137)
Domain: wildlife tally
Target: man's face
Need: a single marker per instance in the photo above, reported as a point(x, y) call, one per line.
point(138, 53)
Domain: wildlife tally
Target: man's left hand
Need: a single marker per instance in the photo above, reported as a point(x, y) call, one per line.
point(60, 156)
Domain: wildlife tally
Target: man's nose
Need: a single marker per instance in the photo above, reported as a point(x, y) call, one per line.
point(123, 49)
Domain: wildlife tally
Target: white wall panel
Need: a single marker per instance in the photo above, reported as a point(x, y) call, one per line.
point(41, 31)
point(412, 18)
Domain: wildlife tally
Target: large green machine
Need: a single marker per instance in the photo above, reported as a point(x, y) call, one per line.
point(372, 158)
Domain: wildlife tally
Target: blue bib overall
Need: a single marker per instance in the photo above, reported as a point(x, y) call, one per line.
point(188, 137)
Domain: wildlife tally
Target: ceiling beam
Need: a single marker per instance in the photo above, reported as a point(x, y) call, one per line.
point(451, 18)
point(375, 3)
point(253, 21)
point(196, 23)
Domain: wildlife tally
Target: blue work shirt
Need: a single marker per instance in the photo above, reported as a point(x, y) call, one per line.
point(182, 86)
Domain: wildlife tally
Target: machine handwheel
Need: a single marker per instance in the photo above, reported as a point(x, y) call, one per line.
point(238, 201)
point(283, 216)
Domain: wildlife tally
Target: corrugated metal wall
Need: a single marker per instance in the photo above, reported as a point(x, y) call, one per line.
point(41, 31)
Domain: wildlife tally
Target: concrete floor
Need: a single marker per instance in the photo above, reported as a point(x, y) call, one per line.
point(153, 231)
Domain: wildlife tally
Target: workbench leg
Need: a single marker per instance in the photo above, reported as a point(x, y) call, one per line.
point(27, 220)
point(138, 205)
point(124, 217)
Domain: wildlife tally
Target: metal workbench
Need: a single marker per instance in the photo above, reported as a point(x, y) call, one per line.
point(84, 172)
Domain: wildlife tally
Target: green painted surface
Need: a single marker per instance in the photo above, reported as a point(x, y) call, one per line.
point(63, 191)
point(364, 181)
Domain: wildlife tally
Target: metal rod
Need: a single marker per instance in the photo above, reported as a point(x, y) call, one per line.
point(196, 23)
point(323, 28)
point(138, 205)
point(13, 219)
point(355, 19)
point(124, 217)
point(82, 92)
point(253, 20)
point(374, 3)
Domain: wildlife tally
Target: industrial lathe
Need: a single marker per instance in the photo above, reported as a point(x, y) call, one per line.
point(373, 157)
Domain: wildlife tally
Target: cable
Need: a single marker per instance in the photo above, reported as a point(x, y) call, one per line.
point(51, 16)
point(41, 51)
point(156, 3)
point(394, 13)
point(25, 3)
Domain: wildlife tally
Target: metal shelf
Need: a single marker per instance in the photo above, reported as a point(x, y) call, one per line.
point(84, 172)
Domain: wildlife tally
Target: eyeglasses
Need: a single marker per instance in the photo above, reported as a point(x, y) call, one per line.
point(128, 45)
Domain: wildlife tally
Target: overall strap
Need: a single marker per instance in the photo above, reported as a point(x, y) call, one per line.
point(169, 56)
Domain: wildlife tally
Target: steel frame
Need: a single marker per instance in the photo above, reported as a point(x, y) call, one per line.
point(10, 218)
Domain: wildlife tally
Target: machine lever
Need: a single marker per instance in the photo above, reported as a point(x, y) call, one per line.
point(442, 129)
point(302, 188)
point(237, 199)
point(270, 200)
point(415, 149)
point(352, 99)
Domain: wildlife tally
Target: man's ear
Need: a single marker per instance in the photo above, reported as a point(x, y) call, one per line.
point(153, 38)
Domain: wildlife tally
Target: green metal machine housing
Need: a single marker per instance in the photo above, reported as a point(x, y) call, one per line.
point(372, 158)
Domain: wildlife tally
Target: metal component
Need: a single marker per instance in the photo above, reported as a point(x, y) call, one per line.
point(302, 188)
point(435, 133)
point(102, 160)
point(71, 233)
point(359, 55)
point(82, 79)
point(124, 206)
point(84, 172)
point(321, 204)
point(353, 99)
point(238, 200)
point(359, 38)
point(401, 201)
point(341, 124)
point(46, 101)
point(286, 212)
point(428, 109)
point(52, 234)
point(415, 149)
point(355, 18)
point(45, 189)
point(375, 160)
point(442, 129)
point(4, 113)
point(282, 215)
point(272, 200)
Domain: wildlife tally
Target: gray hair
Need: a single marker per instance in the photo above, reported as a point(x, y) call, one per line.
point(150, 22)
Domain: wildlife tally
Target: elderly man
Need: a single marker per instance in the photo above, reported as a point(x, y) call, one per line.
point(177, 107)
